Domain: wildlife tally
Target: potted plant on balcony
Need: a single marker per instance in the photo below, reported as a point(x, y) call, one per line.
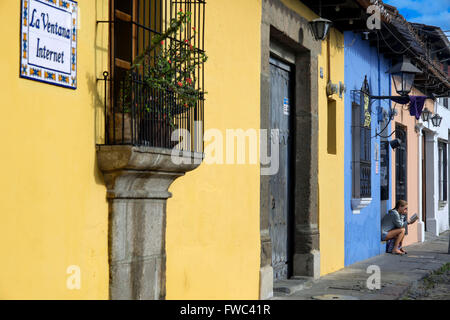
point(161, 85)
point(119, 120)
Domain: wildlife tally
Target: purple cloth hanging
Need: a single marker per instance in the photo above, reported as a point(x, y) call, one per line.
point(416, 106)
point(401, 100)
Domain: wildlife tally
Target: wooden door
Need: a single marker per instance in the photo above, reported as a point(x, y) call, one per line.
point(279, 185)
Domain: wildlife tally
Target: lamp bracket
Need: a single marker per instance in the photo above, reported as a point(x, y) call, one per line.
point(331, 88)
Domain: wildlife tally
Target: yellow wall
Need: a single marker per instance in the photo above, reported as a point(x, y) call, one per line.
point(331, 166)
point(213, 241)
point(300, 8)
point(53, 207)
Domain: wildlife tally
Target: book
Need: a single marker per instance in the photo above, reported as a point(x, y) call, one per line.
point(413, 218)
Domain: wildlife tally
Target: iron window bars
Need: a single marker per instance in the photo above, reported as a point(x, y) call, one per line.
point(361, 142)
point(401, 164)
point(147, 116)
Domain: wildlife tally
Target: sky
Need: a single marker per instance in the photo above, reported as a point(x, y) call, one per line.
point(430, 12)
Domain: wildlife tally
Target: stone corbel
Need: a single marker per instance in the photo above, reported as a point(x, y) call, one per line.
point(418, 128)
point(432, 137)
point(137, 181)
point(426, 125)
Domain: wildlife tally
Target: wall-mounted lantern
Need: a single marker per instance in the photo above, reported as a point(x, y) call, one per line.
point(395, 143)
point(436, 120)
point(426, 114)
point(403, 74)
point(320, 26)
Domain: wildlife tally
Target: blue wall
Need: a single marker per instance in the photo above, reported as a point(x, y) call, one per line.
point(362, 231)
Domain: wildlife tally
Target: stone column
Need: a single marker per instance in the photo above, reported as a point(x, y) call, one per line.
point(307, 244)
point(432, 181)
point(137, 181)
point(420, 224)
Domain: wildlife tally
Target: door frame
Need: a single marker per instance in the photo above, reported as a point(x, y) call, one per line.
point(404, 136)
point(291, 31)
point(424, 180)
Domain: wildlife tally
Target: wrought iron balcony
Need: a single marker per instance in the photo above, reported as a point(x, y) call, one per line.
point(149, 116)
point(137, 112)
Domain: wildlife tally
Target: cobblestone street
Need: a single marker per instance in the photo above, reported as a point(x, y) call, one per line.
point(434, 287)
point(424, 273)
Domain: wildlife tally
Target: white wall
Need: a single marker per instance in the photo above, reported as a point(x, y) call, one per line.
point(437, 214)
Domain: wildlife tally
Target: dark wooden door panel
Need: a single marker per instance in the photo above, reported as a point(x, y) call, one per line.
point(281, 99)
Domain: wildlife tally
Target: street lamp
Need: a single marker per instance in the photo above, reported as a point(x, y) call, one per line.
point(403, 74)
point(436, 120)
point(426, 114)
point(320, 26)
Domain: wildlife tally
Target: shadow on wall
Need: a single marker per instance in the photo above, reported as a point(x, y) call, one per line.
point(334, 37)
point(96, 87)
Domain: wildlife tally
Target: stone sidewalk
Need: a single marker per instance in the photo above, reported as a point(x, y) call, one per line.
point(398, 274)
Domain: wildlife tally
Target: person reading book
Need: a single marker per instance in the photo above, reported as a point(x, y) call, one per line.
point(394, 225)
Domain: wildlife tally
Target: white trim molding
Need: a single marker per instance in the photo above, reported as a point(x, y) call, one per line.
point(360, 203)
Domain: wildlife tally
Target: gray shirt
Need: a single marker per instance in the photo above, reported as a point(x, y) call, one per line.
point(393, 220)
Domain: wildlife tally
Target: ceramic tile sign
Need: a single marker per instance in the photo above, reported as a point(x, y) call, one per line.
point(49, 41)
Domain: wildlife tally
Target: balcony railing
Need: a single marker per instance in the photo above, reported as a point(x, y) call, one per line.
point(365, 179)
point(152, 117)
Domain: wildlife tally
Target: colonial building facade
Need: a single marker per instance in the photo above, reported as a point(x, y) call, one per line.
point(282, 166)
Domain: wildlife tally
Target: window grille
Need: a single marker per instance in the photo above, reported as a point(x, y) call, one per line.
point(361, 142)
point(139, 114)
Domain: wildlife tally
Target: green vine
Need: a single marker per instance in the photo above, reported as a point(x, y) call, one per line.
point(169, 65)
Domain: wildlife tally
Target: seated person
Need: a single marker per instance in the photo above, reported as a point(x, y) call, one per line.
point(394, 225)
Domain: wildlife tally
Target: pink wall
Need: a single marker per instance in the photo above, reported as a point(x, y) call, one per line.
point(404, 118)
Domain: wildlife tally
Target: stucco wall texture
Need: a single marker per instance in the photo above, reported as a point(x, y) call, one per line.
point(442, 214)
point(213, 234)
point(437, 214)
point(404, 118)
point(53, 205)
point(331, 165)
point(363, 230)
